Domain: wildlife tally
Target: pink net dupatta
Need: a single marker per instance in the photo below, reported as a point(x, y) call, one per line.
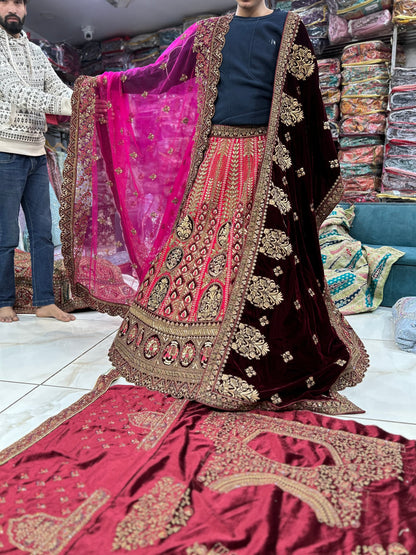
point(126, 172)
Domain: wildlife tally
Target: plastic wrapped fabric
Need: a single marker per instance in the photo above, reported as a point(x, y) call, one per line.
point(315, 15)
point(371, 124)
point(115, 44)
point(372, 155)
point(90, 51)
point(375, 24)
point(302, 4)
point(365, 88)
point(334, 130)
point(404, 12)
point(350, 169)
point(360, 196)
point(362, 183)
point(355, 73)
point(332, 111)
point(407, 117)
point(338, 29)
point(329, 80)
point(142, 58)
point(331, 96)
point(63, 56)
point(117, 61)
point(403, 151)
point(403, 77)
point(401, 133)
point(319, 31)
point(403, 100)
point(329, 65)
point(361, 8)
point(363, 106)
point(168, 35)
point(368, 52)
point(319, 45)
point(369, 140)
point(399, 182)
point(146, 40)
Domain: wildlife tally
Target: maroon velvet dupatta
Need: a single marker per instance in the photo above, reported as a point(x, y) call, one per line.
point(281, 342)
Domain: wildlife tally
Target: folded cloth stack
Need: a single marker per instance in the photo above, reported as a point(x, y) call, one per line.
point(404, 322)
point(373, 25)
point(315, 17)
point(330, 82)
point(404, 12)
point(64, 57)
point(399, 171)
point(364, 97)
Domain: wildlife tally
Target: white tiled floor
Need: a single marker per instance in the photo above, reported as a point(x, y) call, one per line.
point(46, 365)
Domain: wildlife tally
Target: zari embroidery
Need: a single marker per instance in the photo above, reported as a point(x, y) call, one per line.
point(292, 112)
point(249, 342)
point(264, 293)
point(158, 293)
point(210, 304)
point(174, 258)
point(231, 386)
point(201, 549)
point(185, 228)
point(377, 549)
point(43, 534)
point(276, 244)
point(281, 156)
point(279, 199)
point(334, 492)
point(155, 516)
point(301, 62)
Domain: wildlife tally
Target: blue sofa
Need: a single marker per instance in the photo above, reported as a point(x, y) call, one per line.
point(392, 224)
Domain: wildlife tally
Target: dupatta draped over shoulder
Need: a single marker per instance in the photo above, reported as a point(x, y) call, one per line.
point(280, 342)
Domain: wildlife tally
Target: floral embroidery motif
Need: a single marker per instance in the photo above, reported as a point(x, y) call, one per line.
point(264, 293)
point(276, 399)
point(279, 199)
point(217, 265)
point(42, 533)
point(250, 371)
point(310, 382)
point(158, 293)
point(276, 244)
point(334, 492)
point(202, 549)
point(297, 305)
point(341, 362)
point(185, 228)
point(210, 304)
point(250, 343)
point(311, 292)
point(264, 321)
point(327, 126)
point(174, 258)
point(377, 549)
point(300, 172)
point(334, 164)
point(291, 109)
point(281, 156)
point(155, 516)
point(287, 356)
point(278, 271)
point(315, 339)
point(232, 386)
point(223, 233)
point(301, 62)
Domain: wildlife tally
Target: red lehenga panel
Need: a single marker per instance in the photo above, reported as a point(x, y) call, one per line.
point(128, 470)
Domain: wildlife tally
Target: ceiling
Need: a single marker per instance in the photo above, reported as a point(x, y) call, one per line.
point(63, 20)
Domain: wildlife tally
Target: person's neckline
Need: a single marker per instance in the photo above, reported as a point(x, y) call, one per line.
point(254, 17)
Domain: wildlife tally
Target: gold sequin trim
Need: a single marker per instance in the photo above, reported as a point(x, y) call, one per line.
point(232, 132)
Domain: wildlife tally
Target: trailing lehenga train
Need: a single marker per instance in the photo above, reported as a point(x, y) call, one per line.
point(205, 237)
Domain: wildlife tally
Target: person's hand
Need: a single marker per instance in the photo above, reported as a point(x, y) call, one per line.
point(101, 110)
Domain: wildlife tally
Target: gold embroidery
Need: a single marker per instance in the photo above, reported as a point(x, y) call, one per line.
point(288, 137)
point(174, 258)
point(279, 199)
point(281, 156)
point(42, 533)
point(341, 362)
point(210, 303)
point(287, 356)
point(217, 265)
point(311, 292)
point(264, 321)
point(292, 112)
point(250, 371)
point(201, 549)
point(276, 244)
point(315, 339)
point(158, 293)
point(333, 164)
point(310, 382)
point(334, 491)
point(249, 342)
point(223, 234)
point(185, 228)
point(155, 516)
point(232, 386)
point(301, 62)
point(278, 271)
point(264, 293)
point(297, 305)
point(276, 399)
point(118, 171)
point(377, 549)
point(183, 78)
point(327, 126)
point(233, 132)
point(300, 172)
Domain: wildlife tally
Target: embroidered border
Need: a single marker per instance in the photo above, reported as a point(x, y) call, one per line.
point(232, 132)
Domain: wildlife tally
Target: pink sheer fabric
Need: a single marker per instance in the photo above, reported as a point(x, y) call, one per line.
point(128, 170)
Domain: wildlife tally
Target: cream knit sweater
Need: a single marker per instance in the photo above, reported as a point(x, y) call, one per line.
point(29, 89)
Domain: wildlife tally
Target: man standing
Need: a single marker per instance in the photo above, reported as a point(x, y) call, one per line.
point(29, 89)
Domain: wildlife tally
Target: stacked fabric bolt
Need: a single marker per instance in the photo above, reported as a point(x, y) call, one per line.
point(341, 29)
point(365, 82)
point(404, 12)
point(399, 173)
point(114, 54)
point(167, 36)
point(91, 62)
point(330, 82)
point(314, 15)
point(63, 57)
point(143, 49)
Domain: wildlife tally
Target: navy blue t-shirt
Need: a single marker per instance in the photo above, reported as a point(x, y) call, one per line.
point(247, 71)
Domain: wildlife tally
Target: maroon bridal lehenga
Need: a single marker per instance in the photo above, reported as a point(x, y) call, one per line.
point(205, 237)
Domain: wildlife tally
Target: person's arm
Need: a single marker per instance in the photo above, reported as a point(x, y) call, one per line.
point(31, 99)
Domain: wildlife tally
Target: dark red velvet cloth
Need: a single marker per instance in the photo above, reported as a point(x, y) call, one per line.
point(140, 472)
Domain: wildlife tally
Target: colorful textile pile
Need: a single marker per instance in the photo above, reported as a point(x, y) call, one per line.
point(404, 323)
point(315, 17)
point(399, 172)
point(342, 30)
point(404, 12)
point(355, 273)
point(129, 470)
point(330, 83)
point(365, 80)
point(63, 57)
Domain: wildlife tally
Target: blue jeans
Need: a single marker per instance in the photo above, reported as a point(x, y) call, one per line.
point(24, 181)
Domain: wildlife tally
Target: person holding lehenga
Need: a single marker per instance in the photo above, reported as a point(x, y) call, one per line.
point(194, 189)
